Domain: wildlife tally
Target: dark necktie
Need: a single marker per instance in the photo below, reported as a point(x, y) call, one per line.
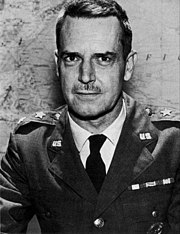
point(94, 165)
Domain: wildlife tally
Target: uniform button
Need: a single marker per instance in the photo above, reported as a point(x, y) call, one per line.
point(155, 214)
point(99, 223)
point(149, 111)
point(48, 214)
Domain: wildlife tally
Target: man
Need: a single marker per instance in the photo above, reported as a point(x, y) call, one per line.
point(97, 164)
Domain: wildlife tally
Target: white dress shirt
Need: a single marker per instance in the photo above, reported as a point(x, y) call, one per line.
point(112, 133)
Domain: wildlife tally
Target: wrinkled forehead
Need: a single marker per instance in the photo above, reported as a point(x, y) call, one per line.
point(100, 31)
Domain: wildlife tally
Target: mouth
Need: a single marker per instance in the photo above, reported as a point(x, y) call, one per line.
point(84, 92)
point(87, 95)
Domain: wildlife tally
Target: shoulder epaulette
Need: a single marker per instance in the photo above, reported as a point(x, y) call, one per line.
point(163, 113)
point(41, 117)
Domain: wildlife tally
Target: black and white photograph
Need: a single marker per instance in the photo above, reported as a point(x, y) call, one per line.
point(90, 116)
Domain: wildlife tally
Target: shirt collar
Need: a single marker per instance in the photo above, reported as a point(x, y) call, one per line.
point(80, 135)
point(112, 132)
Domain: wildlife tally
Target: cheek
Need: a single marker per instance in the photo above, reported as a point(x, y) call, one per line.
point(69, 75)
point(114, 91)
point(66, 85)
point(112, 81)
point(67, 79)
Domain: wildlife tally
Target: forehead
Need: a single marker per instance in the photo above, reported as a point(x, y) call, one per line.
point(96, 33)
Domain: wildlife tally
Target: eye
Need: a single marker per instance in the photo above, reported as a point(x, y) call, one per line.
point(70, 59)
point(104, 60)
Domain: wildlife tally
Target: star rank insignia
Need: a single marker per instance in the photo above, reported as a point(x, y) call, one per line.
point(40, 115)
point(57, 116)
point(166, 112)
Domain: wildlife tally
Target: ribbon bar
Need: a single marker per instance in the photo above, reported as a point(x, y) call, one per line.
point(151, 184)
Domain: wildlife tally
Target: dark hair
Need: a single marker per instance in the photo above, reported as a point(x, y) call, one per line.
point(96, 9)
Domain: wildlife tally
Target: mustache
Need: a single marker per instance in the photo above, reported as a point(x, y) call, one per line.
point(86, 87)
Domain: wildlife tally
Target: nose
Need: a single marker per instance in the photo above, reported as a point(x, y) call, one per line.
point(86, 73)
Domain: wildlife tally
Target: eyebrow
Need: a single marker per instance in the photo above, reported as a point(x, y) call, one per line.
point(107, 53)
point(69, 53)
point(113, 54)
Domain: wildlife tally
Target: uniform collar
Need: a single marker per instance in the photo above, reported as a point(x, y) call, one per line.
point(112, 132)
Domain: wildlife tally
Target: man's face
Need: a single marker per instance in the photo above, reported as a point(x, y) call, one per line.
point(91, 65)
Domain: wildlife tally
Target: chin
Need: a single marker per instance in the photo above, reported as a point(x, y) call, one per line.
point(83, 115)
point(86, 114)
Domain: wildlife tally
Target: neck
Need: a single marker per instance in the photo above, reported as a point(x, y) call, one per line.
point(99, 124)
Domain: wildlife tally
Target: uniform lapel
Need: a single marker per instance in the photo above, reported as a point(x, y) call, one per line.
point(130, 159)
point(67, 164)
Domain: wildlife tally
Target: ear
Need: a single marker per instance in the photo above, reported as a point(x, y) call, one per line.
point(130, 63)
point(56, 57)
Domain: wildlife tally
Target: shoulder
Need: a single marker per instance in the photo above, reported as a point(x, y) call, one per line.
point(151, 119)
point(167, 121)
point(164, 117)
point(40, 118)
point(163, 126)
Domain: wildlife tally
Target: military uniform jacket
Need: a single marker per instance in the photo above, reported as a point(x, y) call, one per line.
point(42, 174)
